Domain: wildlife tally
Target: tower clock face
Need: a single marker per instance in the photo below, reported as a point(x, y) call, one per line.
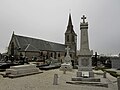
point(85, 62)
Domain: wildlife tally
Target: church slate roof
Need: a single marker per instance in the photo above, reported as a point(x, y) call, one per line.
point(33, 44)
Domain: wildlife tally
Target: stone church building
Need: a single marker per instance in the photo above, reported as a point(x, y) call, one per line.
point(41, 49)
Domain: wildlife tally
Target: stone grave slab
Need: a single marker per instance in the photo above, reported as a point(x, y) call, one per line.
point(53, 64)
point(22, 70)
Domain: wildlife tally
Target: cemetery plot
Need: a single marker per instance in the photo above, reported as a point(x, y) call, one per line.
point(53, 64)
point(22, 70)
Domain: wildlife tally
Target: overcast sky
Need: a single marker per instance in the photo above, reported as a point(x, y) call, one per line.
point(48, 19)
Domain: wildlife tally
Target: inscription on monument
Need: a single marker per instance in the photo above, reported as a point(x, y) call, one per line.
point(85, 62)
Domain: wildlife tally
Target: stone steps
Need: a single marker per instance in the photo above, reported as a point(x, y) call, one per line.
point(88, 83)
point(86, 79)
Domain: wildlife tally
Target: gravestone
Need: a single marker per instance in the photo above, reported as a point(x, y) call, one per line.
point(67, 65)
point(22, 70)
point(64, 71)
point(53, 64)
point(104, 74)
point(0, 56)
point(118, 83)
point(115, 61)
point(55, 80)
point(67, 57)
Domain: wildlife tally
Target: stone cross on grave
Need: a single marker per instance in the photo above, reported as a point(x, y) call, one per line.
point(67, 49)
point(83, 18)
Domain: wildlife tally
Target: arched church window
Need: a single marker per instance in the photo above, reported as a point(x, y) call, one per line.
point(73, 38)
point(67, 38)
point(41, 53)
point(12, 48)
point(58, 54)
point(65, 54)
point(51, 55)
point(55, 55)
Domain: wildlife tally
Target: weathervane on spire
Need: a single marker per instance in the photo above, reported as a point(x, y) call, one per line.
point(69, 10)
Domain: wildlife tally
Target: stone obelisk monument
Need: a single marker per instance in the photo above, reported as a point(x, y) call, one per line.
point(85, 73)
point(84, 57)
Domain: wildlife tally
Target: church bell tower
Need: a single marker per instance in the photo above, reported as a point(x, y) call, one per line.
point(70, 36)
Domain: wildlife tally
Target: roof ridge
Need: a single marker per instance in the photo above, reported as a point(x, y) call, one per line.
point(17, 41)
point(38, 39)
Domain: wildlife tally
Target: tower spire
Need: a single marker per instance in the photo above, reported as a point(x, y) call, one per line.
point(70, 20)
point(70, 36)
point(13, 32)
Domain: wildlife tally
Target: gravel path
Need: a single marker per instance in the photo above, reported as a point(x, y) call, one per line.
point(44, 81)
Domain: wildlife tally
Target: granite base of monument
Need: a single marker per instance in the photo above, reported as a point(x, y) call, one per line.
point(86, 80)
point(92, 79)
point(89, 83)
point(85, 74)
point(22, 70)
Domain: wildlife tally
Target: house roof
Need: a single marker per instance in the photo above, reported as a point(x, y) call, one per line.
point(32, 44)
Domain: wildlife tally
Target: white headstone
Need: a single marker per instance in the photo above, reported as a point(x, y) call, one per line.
point(67, 58)
point(55, 80)
point(115, 61)
point(118, 83)
point(66, 66)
